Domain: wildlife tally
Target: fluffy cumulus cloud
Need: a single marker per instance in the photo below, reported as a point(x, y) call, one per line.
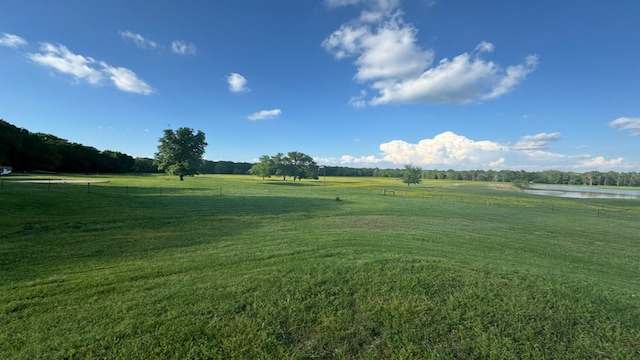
point(265, 114)
point(447, 149)
point(183, 48)
point(11, 40)
point(389, 59)
point(138, 39)
point(237, 83)
point(632, 125)
point(450, 150)
point(86, 69)
point(390, 52)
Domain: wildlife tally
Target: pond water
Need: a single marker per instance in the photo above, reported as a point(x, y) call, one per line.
point(580, 192)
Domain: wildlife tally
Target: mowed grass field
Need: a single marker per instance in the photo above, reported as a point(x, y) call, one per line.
point(234, 267)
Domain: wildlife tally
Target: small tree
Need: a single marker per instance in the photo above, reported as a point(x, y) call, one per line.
point(264, 168)
point(180, 152)
point(280, 165)
point(412, 175)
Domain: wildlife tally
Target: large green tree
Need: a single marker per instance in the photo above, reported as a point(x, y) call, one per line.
point(412, 175)
point(295, 164)
point(301, 166)
point(180, 152)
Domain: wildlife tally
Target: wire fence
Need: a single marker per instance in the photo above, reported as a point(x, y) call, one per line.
point(535, 204)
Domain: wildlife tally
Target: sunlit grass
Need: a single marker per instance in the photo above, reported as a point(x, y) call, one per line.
point(237, 267)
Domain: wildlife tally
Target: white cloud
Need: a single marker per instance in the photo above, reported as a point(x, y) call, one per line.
point(237, 83)
point(497, 163)
point(11, 40)
point(462, 80)
point(181, 47)
point(340, 3)
point(358, 101)
point(126, 80)
point(599, 162)
point(265, 114)
point(348, 159)
point(446, 148)
point(536, 142)
point(63, 60)
point(484, 47)
point(388, 56)
point(450, 150)
point(138, 39)
point(375, 10)
point(388, 53)
point(84, 68)
point(632, 125)
point(506, 81)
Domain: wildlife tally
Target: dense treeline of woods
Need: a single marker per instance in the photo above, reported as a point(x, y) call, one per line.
point(610, 178)
point(27, 151)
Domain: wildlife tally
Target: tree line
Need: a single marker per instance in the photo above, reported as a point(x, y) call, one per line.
point(27, 151)
point(609, 178)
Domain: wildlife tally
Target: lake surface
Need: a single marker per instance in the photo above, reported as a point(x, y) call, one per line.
point(582, 192)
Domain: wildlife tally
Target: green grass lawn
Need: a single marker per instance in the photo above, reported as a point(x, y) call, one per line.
point(235, 267)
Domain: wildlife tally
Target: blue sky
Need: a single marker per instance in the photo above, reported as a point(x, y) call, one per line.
point(442, 84)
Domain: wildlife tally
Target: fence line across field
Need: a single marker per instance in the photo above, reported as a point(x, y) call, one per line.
point(104, 187)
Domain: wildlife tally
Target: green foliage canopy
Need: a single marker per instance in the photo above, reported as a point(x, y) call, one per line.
point(180, 152)
point(412, 175)
point(295, 164)
point(264, 168)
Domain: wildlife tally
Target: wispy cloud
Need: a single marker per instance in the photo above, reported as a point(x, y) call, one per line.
point(389, 58)
point(265, 114)
point(599, 162)
point(237, 83)
point(359, 160)
point(126, 80)
point(138, 39)
point(58, 57)
point(11, 40)
point(374, 10)
point(87, 69)
point(358, 101)
point(536, 142)
point(183, 48)
point(632, 125)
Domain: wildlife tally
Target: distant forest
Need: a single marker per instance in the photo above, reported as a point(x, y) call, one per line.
point(25, 151)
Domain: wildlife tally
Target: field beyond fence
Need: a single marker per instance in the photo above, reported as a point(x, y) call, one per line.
point(486, 194)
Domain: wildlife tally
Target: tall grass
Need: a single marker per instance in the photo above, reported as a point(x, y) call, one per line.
point(236, 267)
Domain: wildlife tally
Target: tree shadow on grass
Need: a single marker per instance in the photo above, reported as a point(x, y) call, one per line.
point(89, 228)
point(291, 183)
